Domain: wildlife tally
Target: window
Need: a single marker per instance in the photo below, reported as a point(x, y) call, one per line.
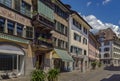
point(77, 24)
point(61, 28)
point(106, 49)
point(77, 37)
point(59, 43)
point(19, 30)
point(62, 44)
point(10, 26)
point(85, 53)
point(76, 50)
point(17, 5)
point(61, 13)
point(29, 32)
point(7, 3)
point(66, 45)
point(2, 23)
point(55, 41)
point(25, 9)
point(85, 31)
point(8, 62)
point(84, 41)
point(100, 49)
point(106, 55)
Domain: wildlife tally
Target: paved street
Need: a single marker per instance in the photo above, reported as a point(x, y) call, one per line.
point(110, 74)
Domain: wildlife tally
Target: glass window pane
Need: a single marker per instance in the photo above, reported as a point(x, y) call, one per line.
point(19, 30)
point(2, 23)
point(10, 27)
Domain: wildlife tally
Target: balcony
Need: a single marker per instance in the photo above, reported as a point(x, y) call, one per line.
point(40, 21)
point(43, 42)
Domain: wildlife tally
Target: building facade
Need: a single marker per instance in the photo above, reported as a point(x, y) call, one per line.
point(93, 49)
point(16, 33)
point(43, 22)
point(78, 41)
point(116, 52)
point(60, 37)
point(109, 49)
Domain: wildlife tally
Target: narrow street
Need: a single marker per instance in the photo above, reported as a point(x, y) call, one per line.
point(94, 75)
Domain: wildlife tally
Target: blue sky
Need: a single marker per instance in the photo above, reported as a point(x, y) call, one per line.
point(106, 12)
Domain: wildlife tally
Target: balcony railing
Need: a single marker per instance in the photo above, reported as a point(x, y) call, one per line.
point(44, 21)
point(45, 40)
point(42, 43)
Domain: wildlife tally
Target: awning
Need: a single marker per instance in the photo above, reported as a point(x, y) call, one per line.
point(11, 52)
point(63, 55)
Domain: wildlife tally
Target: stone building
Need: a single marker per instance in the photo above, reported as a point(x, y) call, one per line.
point(93, 49)
point(78, 41)
point(16, 33)
point(110, 47)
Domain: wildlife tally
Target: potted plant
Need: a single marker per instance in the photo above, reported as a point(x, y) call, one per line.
point(53, 75)
point(93, 64)
point(38, 75)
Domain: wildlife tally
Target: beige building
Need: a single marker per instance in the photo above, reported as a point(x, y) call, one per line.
point(78, 41)
point(16, 32)
point(60, 37)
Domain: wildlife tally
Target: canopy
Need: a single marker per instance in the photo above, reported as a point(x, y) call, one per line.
point(63, 55)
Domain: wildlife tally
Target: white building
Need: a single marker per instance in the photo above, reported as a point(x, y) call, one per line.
point(110, 47)
point(78, 41)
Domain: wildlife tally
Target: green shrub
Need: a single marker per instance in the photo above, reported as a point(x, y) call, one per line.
point(99, 64)
point(53, 75)
point(38, 75)
point(93, 64)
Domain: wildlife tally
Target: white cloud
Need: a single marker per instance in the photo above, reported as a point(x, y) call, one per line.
point(89, 3)
point(98, 24)
point(105, 2)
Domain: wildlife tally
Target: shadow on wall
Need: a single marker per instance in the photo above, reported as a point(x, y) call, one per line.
point(112, 68)
point(115, 77)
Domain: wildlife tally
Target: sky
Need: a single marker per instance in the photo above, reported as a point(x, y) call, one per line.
point(99, 14)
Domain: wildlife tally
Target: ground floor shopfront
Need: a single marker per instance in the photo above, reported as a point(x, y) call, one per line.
point(115, 62)
point(14, 55)
point(112, 62)
point(80, 63)
point(55, 58)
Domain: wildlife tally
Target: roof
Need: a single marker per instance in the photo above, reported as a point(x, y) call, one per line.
point(72, 11)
